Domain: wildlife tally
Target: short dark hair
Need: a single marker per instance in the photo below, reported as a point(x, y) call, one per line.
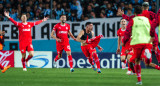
point(88, 23)
point(138, 9)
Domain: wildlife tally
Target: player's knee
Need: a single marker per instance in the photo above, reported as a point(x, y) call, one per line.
point(68, 53)
point(31, 55)
point(147, 64)
point(122, 59)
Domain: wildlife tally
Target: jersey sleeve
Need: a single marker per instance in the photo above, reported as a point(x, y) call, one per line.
point(36, 23)
point(14, 22)
point(118, 32)
point(55, 28)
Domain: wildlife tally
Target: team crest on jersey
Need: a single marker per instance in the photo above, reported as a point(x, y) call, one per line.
point(29, 25)
point(66, 28)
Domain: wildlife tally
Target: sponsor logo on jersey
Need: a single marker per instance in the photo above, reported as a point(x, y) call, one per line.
point(63, 32)
point(26, 29)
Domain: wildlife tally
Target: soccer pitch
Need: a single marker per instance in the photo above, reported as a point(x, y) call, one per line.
point(81, 77)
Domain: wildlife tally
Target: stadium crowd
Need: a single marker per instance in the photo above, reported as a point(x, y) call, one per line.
point(76, 10)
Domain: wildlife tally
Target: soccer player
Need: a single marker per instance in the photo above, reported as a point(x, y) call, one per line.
point(62, 31)
point(88, 49)
point(140, 30)
point(124, 55)
point(25, 38)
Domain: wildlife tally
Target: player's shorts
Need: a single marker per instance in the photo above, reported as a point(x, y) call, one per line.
point(123, 52)
point(140, 52)
point(87, 50)
point(61, 47)
point(26, 46)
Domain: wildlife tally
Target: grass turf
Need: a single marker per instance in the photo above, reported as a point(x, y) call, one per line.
point(81, 77)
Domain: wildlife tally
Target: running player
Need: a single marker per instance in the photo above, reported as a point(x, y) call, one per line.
point(124, 55)
point(62, 31)
point(25, 38)
point(88, 49)
point(140, 30)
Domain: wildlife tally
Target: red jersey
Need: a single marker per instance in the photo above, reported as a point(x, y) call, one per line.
point(25, 30)
point(121, 34)
point(62, 32)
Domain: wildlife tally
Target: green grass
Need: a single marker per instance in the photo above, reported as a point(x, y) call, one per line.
point(81, 77)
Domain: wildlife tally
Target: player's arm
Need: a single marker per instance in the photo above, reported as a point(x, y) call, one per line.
point(40, 21)
point(119, 44)
point(121, 13)
point(79, 36)
point(98, 46)
point(54, 37)
point(12, 20)
point(71, 35)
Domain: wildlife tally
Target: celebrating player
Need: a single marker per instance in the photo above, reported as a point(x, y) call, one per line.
point(25, 38)
point(139, 28)
point(124, 55)
point(88, 49)
point(62, 31)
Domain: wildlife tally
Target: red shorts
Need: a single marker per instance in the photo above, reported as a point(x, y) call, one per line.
point(87, 50)
point(123, 52)
point(26, 46)
point(61, 47)
point(141, 51)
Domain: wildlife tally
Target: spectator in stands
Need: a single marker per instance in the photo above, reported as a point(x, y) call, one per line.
point(109, 11)
point(2, 40)
point(59, 11)
point(129, 12)
point(73, 16)
point(102, 15)
point(47, 10)
point(14, 14)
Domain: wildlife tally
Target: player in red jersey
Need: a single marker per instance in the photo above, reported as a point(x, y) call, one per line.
point(124, 55)
point(25, 38)
point(62, 31)
point(89, 49)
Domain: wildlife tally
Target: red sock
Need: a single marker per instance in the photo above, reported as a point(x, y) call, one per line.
point(1, 67)
point(70, 61)
point(28, 58)
point(23, 63)
point(91, 61)
point(138, 72)
point(157, 67)
point(96, 59)
point(56, 58)
point(129, 69)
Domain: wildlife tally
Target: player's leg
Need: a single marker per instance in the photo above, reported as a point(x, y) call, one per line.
point(70, 60)
point(85, 50)
point(137, 49)
point(96, 59)
point(123, 60)
point(130, 65)
point(23, 61)
point(3, 69)
point(59, 48)
point(31, 53)
point(157, 53)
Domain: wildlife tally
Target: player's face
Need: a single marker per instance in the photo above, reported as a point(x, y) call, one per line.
point(24, 18)
point(63, 19)
point(123, 23)
point(90, 27)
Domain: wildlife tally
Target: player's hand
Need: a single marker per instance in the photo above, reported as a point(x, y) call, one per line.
point(6, 14)
point(45, 19)
point(58, 40)
point(118, 51)
point(100, 49)
point(75, 39)
point(120, 12)
point(152, 39)
point(3, 32)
